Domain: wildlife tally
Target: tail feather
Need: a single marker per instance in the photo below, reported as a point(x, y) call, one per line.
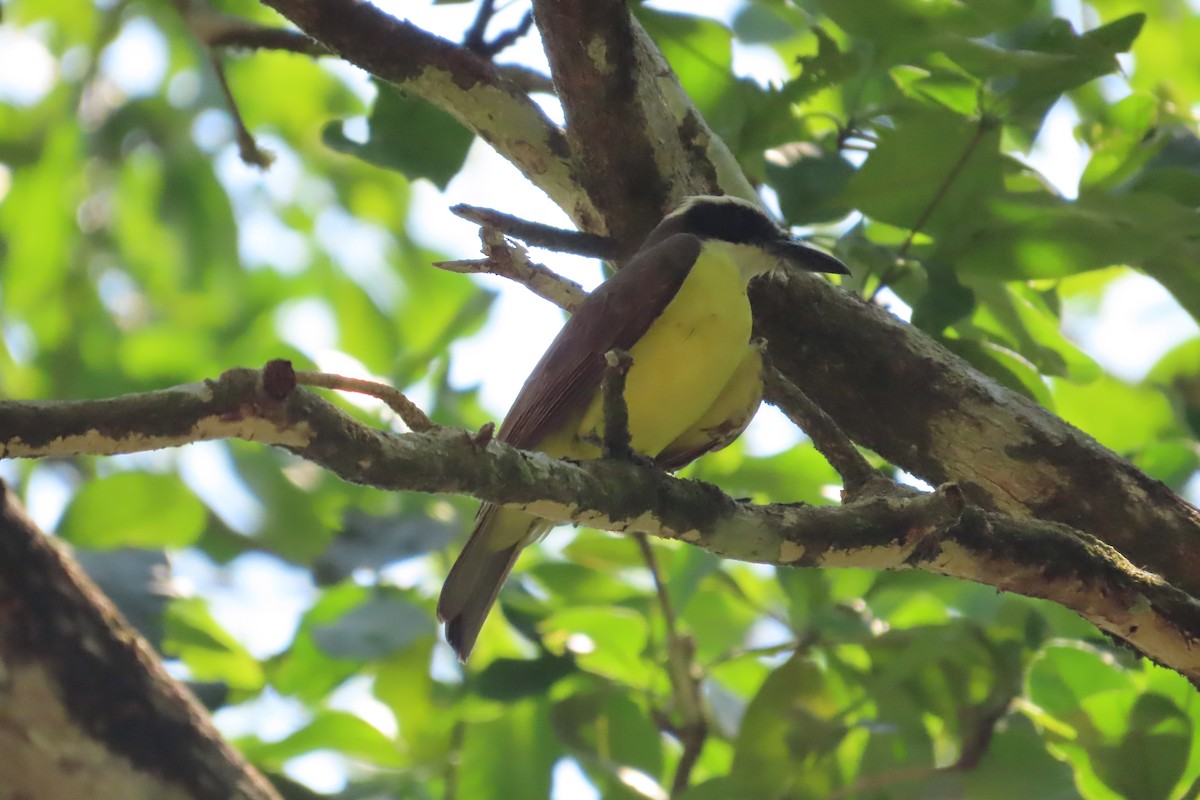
point(475, 579)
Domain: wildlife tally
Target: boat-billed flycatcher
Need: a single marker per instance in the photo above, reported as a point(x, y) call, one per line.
point(679, 307)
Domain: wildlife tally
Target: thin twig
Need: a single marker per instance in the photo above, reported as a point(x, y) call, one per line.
point(537, 234)
point(826, 436)
point(509, 37)
point(684, 674)
point(985, 124)
point(509, 260)
point(248, 148)
point(754, 652)
point(474, 39)
point(406, 409)
point(262, 37)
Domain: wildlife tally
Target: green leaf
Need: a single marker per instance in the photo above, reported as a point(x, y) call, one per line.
point(305, 670)
point(1016, 764)
point(370, 542)
point(509, 756)
point(700, 52)
point(1005, 367)
point(339, 731)
point(935, 169)
point(1151, 756)
point(510, 679)
point(1063, 676)
point(810, 182)
point(133, 509)
point(951, 88)
point(1028, 235)
point(606, 640)
point(611, 733)
point(383, 625)
point(208, 651)
point(1130, 144)
point(691, 566)
point(1024, 321)
point(1122, 417)
point(408, 135)
point(789, 725)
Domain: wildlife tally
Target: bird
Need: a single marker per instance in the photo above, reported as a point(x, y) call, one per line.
point(679, 308)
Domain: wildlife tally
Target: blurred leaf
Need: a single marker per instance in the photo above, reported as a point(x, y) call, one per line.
point(133, 509)
point(368, 542)
point(1063, 676)
point(1022, 318)
point(934, 168)
point(1016, 764)
point(138, 583)
point(810, 182)
point(1122, 417)
point(509, 756)
point(571, 584)
point(1040, 236)
point(788, 727)
point(381, 626)
point(1151, 756)
point(339, 731)
point(683, 579)
point(208, 651)
point(945, 85)
point(1003, 366)
point(606, 640)
point(610, 734)
point(304, 669)
point(511, 679)
point(409, 135)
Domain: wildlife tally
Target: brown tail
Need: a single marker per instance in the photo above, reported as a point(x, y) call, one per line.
point(475, 579)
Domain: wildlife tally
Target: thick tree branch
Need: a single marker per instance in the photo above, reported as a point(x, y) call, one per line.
point(894, 390)
point(880, 531)
point(84, 701)
point(606, 68)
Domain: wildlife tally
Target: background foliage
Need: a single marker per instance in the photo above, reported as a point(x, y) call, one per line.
point(137, 253)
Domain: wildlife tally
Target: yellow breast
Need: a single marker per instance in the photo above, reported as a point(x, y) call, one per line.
point(682, 362)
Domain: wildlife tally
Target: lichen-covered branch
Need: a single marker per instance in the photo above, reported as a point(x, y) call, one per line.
point(894, 390)
point(894, 530)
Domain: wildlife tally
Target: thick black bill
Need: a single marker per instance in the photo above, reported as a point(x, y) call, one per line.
point(806, 257)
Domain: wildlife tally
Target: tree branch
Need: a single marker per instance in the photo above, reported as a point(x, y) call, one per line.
point(687, 694)
point(508, 260)
point(450, 76)
point(537, 234)
point(662, 151)
point(894, 390)
point(880, 531)
point(827, 437)
point(87, 690)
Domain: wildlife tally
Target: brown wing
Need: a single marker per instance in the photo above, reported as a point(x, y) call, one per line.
point(614, 316)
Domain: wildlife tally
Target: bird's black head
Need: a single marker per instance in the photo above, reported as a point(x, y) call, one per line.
point(729, 219)
point(740, 222)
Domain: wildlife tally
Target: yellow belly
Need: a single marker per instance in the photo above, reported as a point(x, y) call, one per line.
point(680, 365)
